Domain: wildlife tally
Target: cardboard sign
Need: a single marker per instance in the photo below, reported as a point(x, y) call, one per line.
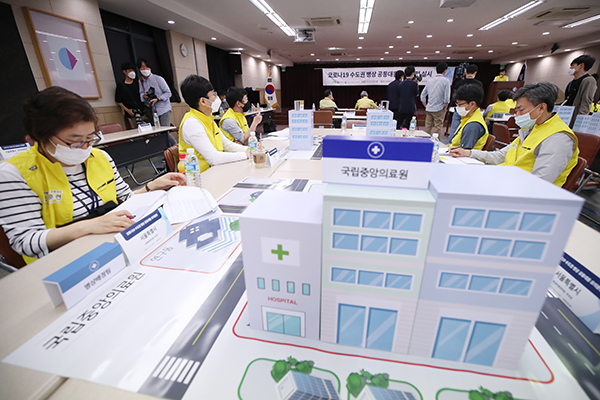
point(143, 236)
point(301, 129)
point(565, 113)
point(76, 280)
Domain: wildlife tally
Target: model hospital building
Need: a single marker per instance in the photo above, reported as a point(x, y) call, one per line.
point(456, 269)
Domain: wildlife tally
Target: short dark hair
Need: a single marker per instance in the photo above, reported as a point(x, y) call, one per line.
point(235, 94)
point(587, 61)
point(472, 68)
point(469, 93)
point(54, 109)
point(327, 92)
point(502, 70)
point(538, 93)
point(441, 67)
point(143, 60)
point(127, 65)
point(595, 76)
point(504, 95)
point(399, 74)
point(193, 88)
point(408, 71)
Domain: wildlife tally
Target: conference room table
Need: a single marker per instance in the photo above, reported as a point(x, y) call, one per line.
point(26, 308)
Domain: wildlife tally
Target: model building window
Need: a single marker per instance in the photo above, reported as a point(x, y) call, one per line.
point(462, 244)
point(406, 247)
point(346, 217)
point(397, 281)
point(261, 283)
point(534, 222)
point(306, 289)
point(468, 217)
point(484, 284)
point(453, 281)
point(515, 286)
point(376, 220)
point(502, 220)
point(345, 241)
point(370, 278)
point(526, 249)
point(377, 244)
point(275, 285)
point(494, 247)
point(343, 275)
point(291, 287)
point(407, 222)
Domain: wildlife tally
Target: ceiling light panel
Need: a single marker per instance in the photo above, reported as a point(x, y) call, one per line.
point(512, 14)
point(583, 21)
point(364, 15)
point(266, 9)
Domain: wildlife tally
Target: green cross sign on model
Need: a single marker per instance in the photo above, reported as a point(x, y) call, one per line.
point(280, 252)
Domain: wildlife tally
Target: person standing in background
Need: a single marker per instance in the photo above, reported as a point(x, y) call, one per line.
point(409, 91)
point(393, 96)
point(155, 92)
point(580, 91)
point(501, 77)
point(127, 95)
point(365, 101)
point(435, 97)
point(470, 73)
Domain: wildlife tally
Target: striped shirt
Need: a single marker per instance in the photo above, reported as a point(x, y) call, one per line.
point(21, 208)
point(438, 91)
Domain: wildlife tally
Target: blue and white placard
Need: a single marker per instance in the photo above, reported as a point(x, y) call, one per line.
point(377, 161)
point(273, 157)
point(76, 280)
point(143, 236)
point(301, 129)
point(565, 113)
point(7, 152)
point(380, 123)
point(147, 127)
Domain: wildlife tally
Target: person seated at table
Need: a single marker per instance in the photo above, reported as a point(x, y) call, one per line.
point(365, 101)
point(501, 77)
point(472, 133)
point(511, 103)
point(499, 107)
point(198, 129)
point(49, 193)
point(327, 101)
point(546, 146)
point(234, 124)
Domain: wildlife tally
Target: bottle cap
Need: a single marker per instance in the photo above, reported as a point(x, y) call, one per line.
point(435, 135)
point(190, 151)
point(181, 156)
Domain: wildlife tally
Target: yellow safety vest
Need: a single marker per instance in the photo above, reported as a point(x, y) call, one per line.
point(499, 107)
point(595, 107)
point(522, 155)
point(50, 183)
point(212, 131)
point(241, 120)
point(365, 102)
point(499, 78)
point(511, 103)
point(327, 103)
point(475, 117)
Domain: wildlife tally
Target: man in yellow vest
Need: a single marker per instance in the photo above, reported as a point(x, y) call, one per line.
point(501, 106)
point(198, 129)
point(546, 146)
point(234, 124)
point(501, 77)
point(327, 101)
point(472, 133)
point(61, 189)
point(365, 101)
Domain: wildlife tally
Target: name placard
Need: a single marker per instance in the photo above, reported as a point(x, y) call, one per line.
point(147, 127)
point(76, 280)
point(381, 123)
point(273, 157)
point(7, 152)
point(381, 161)
point(144, 235)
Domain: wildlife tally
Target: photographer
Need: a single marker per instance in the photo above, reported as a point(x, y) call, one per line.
point(409, 91)
point(127, 96)
point(155, 93)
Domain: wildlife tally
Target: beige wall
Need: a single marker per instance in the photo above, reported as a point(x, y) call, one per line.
point(553, 68)
point(256, 71)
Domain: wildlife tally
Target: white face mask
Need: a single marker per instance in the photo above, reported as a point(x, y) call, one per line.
point(462, 111)
point(145, 72)
point(69, 156)
point(216, 104)
point(525, 121)
point(131, 75)
point(571, 71)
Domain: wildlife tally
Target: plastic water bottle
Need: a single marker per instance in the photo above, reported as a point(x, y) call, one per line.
point(344, 123)
point(314, 107)
point(221, 112)
point(413, 127)
point(156, 121)
point(192, 169)
point(435, 156)
point(252, 146)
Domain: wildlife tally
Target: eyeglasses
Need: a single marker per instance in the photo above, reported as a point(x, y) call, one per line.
point(78, 145)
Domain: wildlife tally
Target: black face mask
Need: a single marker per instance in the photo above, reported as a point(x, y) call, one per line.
point(246, 107)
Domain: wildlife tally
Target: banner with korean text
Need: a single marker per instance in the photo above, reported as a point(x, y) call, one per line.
point(374, 76)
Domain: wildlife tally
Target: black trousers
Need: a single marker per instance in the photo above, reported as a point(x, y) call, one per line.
point(403, 120)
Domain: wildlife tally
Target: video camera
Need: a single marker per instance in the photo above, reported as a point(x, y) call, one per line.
point(151, 95)
point(417, 77)
point(461, 71)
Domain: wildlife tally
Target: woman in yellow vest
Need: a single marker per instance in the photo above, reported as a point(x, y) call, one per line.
point(234, 124)
point(501, 77)
point(546, 146)
point(62, 179)
point(472, 133)
point(198, 129)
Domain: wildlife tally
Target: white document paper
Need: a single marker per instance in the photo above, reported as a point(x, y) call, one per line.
point(285, 132)
point(184, 203)
point(140, 205)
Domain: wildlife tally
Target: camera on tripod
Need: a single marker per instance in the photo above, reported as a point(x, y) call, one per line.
point(417, 77)
point(461, 71)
